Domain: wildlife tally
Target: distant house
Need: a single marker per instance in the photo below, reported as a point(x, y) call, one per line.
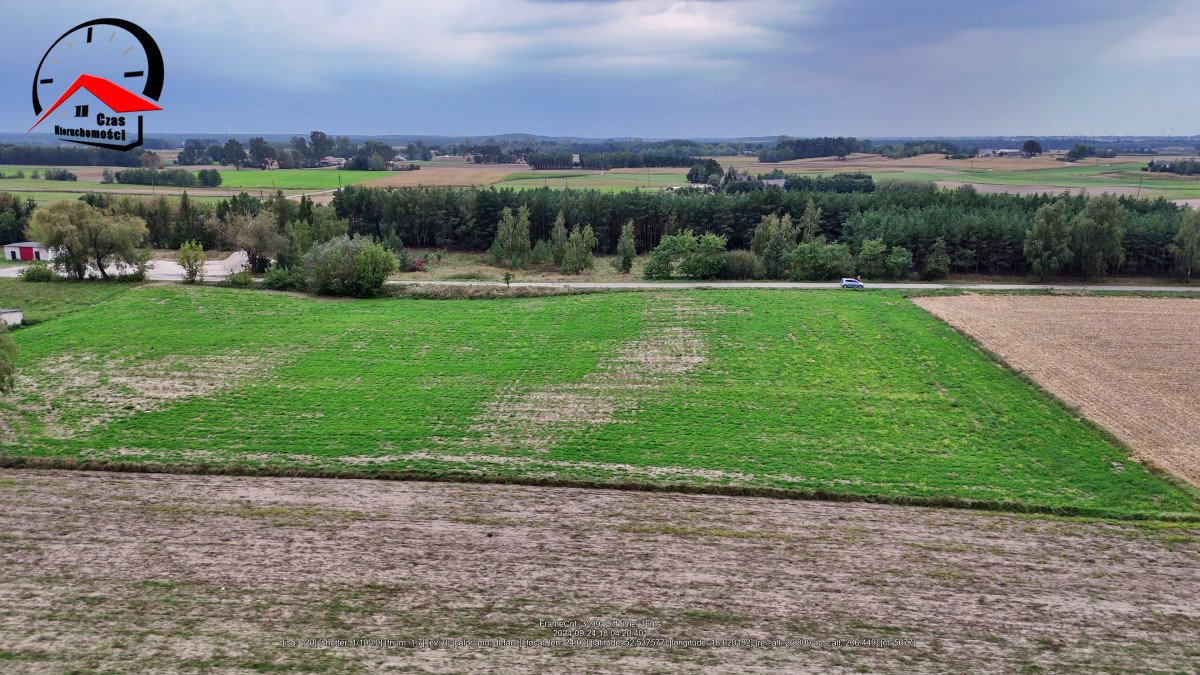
point(270, 165)
point(777, 182)
point(330, 160)
point(1002, 152)
point(26, 250)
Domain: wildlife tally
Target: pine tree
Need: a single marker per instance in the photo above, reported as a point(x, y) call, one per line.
point(626, 249)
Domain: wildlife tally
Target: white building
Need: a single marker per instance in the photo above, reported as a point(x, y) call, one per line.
point(26, 250)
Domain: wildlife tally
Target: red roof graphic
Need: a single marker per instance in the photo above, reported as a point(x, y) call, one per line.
point(118, 99)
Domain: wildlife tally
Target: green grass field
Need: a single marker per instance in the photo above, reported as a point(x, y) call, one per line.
point(307, 179)
point(606, 182)
point(1092, 177)
point(814, 393)
point(42, 301)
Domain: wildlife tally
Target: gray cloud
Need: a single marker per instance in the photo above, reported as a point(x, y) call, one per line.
point(650, 67)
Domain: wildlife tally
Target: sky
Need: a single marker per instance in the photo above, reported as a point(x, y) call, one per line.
point(647, 68)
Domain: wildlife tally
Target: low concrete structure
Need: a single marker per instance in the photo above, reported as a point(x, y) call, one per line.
point(11, 317)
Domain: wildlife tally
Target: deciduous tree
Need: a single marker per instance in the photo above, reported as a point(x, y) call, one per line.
point(84, 236)
point(1048, 243)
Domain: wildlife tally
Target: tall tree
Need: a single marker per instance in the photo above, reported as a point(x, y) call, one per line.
point(558, 238)
point(872, 259)
point(261, 152)
point(810, 222)
point(626, 248)
point(937, 263)
point(1185, 247)
point(320, 145)
point(512, 238)
point(233, 153)
point(1048, 243)
point(1098, 234)
point(1031, 147)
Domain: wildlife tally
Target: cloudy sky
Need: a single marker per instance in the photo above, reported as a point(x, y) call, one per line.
point(651, 68)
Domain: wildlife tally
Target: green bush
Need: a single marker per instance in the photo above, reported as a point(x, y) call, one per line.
point(698, 257)
point(405, 262)
point(191, 259)
point(739, 265)
point(541, 255)
point(703, 260)
point(659, 266)
point(817, 260)
point(38, 271)
point(284, 278)
point(345, 266)
point(241, 279)
point(899, 262)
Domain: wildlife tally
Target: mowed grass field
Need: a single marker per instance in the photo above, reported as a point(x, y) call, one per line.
point(306, 179)
point(608, 181)
point(862, 395)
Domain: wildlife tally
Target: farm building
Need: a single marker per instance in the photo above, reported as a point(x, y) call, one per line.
point(1002, 152)
point(26, 250)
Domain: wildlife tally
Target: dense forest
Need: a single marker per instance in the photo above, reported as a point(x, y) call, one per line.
point(804, 148)
point(983, 233)
point(67, 155)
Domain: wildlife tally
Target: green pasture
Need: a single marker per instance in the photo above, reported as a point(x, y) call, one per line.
point(307, 179)
point(579, 180)
point(862, 395)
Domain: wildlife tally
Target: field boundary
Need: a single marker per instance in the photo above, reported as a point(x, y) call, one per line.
point(205, 469)
point(1150, 465)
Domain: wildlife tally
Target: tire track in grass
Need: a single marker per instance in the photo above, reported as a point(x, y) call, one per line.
point(668, 348)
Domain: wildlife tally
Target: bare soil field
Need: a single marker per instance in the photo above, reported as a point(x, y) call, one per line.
point(457, 175)
point(1128, 364)
point(140, 572)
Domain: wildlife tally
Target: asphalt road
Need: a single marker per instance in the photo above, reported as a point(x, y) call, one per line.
point(794, 285)
point(216, 270)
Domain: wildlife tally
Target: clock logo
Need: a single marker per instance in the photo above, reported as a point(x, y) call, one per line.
point(110, 71)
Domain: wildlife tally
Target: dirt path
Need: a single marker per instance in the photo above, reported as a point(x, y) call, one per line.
point(156, 572)
point(1129, 364)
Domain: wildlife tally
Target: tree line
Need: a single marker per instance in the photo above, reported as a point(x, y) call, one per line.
point(981, 233)
point(67, 155)
point(1183, 167)
point(298, 153)
point(787, 149)
point(959, 230)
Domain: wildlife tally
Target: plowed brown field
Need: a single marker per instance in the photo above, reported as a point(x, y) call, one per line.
point(162, 573)
point(1129, 364)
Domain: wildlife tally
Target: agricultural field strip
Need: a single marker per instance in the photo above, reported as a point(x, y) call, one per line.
point(1127, 363)
point(152, 572)
point(861, 395)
